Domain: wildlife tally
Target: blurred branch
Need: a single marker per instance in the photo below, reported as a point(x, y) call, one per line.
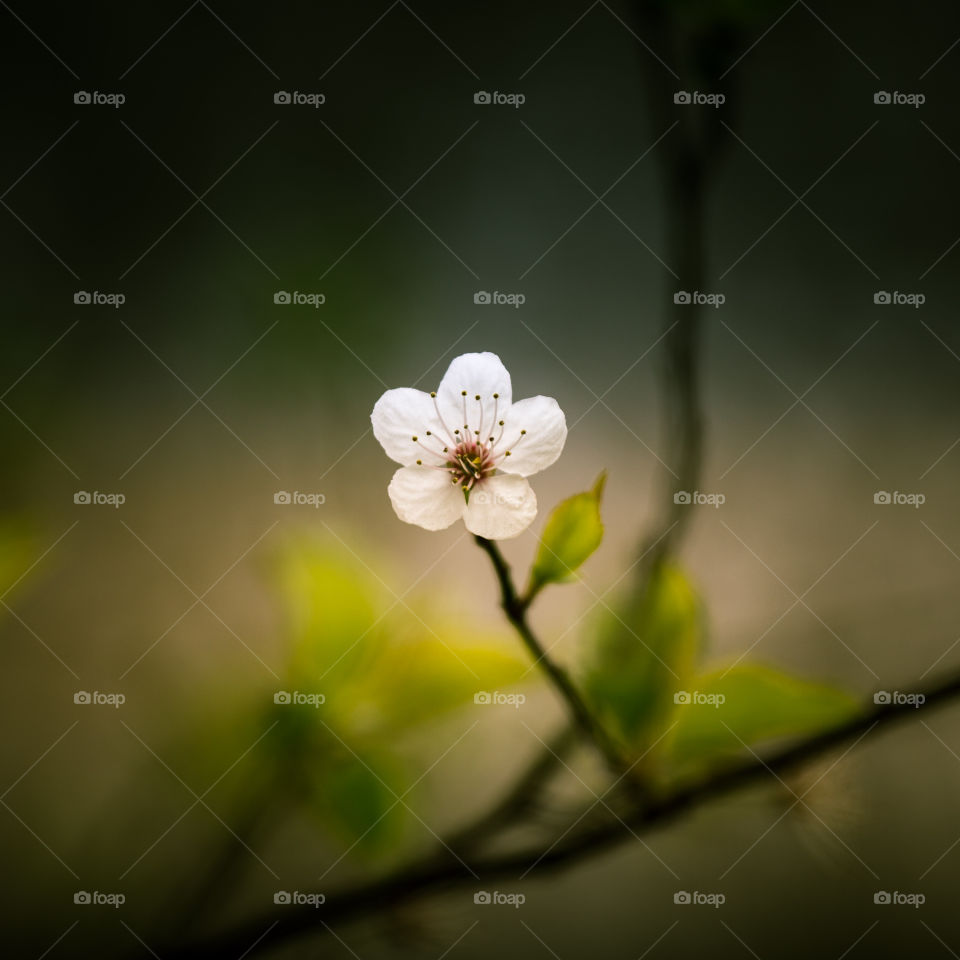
point(517, 803)
point(515, 608)
point(225, 869)
point(688, 155)
point(440, 870)
point(520, 799)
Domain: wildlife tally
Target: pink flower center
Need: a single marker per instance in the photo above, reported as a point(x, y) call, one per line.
point(470, 462)
point(469, 455)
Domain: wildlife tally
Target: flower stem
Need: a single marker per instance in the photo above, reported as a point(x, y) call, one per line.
point(515, 607)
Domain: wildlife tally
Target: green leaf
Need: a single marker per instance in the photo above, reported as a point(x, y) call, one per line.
point(646, 650)
point(333, 607)
point(422, 678)
point(573, 531)
point(354, 792)
point(758, 704)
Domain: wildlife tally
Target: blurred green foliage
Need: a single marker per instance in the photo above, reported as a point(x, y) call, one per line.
point(646, 648)
point(642, 673)
point(644, 679)
point(759, 704)
point(380, 667)
point(385, 666)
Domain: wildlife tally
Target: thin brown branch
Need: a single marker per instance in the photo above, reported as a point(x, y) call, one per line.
point(515, 607)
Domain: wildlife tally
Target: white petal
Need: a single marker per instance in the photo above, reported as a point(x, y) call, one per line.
point(426, 497)
point(477, 373)
point(402, 414)
point(501, 507)
point(543, 442)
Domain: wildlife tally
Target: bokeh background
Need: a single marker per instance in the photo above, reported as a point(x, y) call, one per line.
point(399, 198)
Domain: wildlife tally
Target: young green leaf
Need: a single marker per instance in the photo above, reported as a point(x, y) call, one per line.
point(573, 531)
point(646, 650)
point(726, 712)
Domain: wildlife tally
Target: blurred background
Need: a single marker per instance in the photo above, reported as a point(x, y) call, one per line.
point(398, 199)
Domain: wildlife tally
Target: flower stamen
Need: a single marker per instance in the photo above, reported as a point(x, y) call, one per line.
point(434, 453)
point(523, 433)
point(469, 463)
point(443, 422)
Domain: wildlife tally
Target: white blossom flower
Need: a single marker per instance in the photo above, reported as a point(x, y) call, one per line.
point(466, 450)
